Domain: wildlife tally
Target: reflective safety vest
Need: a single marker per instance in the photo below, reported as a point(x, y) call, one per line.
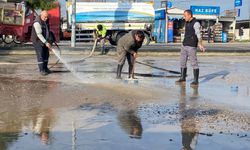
point(102, 32)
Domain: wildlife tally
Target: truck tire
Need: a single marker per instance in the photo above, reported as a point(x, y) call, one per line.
point(119, 35)
point(7, 39)
point(1, 39)
point(16, 41)
point(147, 39)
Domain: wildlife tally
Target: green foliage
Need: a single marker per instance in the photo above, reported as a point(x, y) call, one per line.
point(41, 4)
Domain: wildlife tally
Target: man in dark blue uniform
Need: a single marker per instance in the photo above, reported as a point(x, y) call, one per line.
point(39, 37)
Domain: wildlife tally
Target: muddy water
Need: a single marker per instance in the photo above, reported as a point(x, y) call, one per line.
point(57, 112)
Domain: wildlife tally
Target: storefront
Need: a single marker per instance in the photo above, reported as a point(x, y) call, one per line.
point(208, 16)
point(244, 26)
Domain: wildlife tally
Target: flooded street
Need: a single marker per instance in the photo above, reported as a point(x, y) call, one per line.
point(90, 109)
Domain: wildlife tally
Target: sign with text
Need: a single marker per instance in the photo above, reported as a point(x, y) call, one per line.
point(160, 14)
point(205, 10)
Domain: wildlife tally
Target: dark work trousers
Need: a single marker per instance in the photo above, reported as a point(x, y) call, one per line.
point(42, 53)
point(188, 52)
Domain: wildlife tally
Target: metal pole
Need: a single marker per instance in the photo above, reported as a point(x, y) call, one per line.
point(73, 135)
point(166, 28)
point(234, 26)
point(73, 24)
point(249, 23)
point(234, 22)
point(249, 26)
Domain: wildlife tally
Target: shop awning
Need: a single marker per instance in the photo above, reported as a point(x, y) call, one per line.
point(206, 17)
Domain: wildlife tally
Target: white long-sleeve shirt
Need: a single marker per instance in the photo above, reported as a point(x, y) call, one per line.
point(197, 28)
point(38, 29)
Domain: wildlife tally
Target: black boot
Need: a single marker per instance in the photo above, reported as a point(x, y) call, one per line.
point(196, 78)
point(131, 72)
point(46, 69)
point(43, 73)
point(40, 66)
point(103, 51)
point(119, 72)
point(183, 76)
point(41, 69)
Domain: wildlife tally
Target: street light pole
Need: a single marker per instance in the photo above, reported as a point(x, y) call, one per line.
point(73, 24)
point(166, 36)
point(249, 26)
point(166, 26)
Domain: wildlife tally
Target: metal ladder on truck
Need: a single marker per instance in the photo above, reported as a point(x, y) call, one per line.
point(84, 35)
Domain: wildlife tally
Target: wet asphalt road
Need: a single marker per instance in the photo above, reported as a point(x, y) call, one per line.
point(89, 109)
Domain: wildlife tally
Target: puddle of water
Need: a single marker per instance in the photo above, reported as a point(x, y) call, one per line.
point(55, 115)
point(101, 127)
point(101, 124)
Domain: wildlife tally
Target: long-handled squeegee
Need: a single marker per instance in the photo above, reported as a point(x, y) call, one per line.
point(158, 68)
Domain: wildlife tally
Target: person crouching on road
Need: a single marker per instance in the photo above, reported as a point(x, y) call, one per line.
point(127, 48)
point(100, 34)
point(39, 38)
point(192, 39)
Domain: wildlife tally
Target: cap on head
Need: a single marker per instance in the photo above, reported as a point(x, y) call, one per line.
point(99, 27)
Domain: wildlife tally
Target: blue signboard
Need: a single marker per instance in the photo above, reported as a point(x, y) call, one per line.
point(205, 10)
point(159, 30)
point(237, 3)
point(160, 14)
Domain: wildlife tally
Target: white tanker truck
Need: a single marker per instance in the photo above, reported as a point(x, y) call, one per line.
point(119, 18)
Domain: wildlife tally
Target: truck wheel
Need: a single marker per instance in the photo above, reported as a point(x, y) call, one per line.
point(147, 39)
point(1, 39)
point(16, 41)
point(7, 39)
point(119, 35)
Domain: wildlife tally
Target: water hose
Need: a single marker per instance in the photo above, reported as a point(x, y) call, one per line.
point(90, 55)
point(58, 60)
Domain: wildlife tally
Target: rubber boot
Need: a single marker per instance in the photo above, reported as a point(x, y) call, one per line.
point(119, 72)
point(196, 78)
point(46, 69)
point(40, 66)
point(183, 76)
point(130, 70)
point(131, 73)
point(103, 51)
point(41, 69)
